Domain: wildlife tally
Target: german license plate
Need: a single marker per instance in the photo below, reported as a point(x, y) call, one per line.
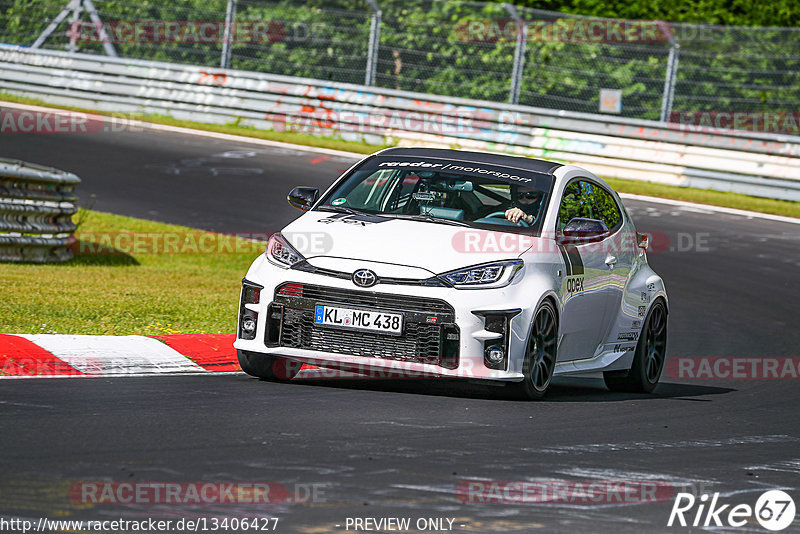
point(349, 318)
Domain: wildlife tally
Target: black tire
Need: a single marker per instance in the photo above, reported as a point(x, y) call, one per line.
point(540, 355)
point(264, 366)
point(649, 356)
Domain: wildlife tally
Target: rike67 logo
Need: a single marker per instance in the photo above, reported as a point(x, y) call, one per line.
point(774, 510)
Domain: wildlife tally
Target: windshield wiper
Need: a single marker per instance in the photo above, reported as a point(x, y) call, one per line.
point(429, 218)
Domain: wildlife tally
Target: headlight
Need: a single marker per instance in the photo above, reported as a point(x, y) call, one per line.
point(279, 252)
point(485, 276)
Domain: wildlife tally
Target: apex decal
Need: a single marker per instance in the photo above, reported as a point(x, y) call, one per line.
point(575, 285)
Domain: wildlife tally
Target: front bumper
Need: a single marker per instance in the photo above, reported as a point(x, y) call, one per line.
point(444, 333)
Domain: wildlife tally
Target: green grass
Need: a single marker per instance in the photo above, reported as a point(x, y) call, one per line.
point(701, 196)
point(133, 292)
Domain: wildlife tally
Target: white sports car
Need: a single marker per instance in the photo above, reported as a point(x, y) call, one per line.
point(447, 263)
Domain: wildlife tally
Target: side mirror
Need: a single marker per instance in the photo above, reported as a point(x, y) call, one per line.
point(303, 198)
point(580, 229)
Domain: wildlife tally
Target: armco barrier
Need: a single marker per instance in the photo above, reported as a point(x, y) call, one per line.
point(753, 163)
point(36, 208)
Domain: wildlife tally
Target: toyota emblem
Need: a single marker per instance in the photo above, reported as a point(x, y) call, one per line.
point(365, 278)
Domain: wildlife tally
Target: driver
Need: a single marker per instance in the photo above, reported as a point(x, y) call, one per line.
point(525, 203)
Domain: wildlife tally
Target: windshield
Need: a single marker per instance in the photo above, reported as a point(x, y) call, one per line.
point(447, 193)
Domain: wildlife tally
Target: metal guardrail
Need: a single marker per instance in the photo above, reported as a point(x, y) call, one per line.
point(36, 208)
point(752, 163)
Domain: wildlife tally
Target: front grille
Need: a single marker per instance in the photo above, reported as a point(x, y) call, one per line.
point(420, 342)
point(369, 299)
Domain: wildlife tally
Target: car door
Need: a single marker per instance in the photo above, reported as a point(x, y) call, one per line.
point(587, 280)
point(618, 252)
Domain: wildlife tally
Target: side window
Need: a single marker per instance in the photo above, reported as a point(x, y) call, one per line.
point(605, 208)
point(576, 202)
point(586, 200)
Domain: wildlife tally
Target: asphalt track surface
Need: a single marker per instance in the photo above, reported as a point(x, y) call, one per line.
point(401, 448)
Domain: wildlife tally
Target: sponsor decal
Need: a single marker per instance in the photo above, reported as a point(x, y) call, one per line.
point(575, 285)
point(651, 286)
point(628, 336)
point(488, 172)
point(644, 297)
point(636, 324)
point(456, 168)
point(427, 196)
point(409, 164)
point(572, 259)
point(338, 201)
point(357, 219)
point(642, 311)
point(619, 347)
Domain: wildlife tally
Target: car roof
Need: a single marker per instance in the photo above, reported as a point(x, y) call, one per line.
point(466, 156)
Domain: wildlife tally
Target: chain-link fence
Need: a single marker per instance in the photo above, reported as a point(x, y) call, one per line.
point(474, 50)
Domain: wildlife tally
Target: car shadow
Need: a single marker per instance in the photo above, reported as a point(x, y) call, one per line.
point(579, 389)
point(566, 389)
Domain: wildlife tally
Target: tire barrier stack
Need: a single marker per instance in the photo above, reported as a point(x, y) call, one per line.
point(36, 208)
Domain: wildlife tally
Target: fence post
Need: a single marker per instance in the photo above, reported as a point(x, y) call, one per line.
point(74, 7)
point(374, 43)
point(104, 38)
point(230, 19)
point(669, 80)
point(63, 14)
point(77, 8)
point(519, 54)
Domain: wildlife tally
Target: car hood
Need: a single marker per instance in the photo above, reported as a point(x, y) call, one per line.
point(336, 240)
